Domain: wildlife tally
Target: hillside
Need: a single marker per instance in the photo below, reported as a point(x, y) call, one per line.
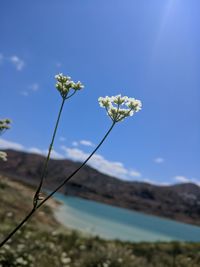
point(44, 242)
point(180, 202)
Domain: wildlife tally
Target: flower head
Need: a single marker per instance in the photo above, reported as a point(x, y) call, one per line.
point(64, 84)
point(105, 101)
point(4, 125)
point(3, 155)
point(119, 107)
point(77, 86)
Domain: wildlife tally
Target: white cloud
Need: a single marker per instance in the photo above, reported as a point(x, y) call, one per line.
point(135, 173)
point(75, 153)
point(159, 160)
point(34, 87)
point(74, 143)
point(24, 93)
point(184, 179)
point(17, 62)
point(163, 183)
point(83, 142)
point(5, 144)
point(195, 181)
point(86, 143)
point(30, 89)
point(98, 162)
point(149, 181)
point(36, 150)
point(158, 183)
point(54, 154)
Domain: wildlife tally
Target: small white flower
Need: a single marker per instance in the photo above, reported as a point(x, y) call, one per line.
point(119, 100)
point(78, 86)
point(113, 112)
point(65, 260)
point(120, 260)
point(58, 75)
point(105, 101)
point(134, 104)
point(21, 261)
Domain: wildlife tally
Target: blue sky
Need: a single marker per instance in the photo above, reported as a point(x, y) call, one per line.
point(149, 50)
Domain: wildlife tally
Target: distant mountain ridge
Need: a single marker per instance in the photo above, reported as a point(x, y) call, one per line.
point(180, 202)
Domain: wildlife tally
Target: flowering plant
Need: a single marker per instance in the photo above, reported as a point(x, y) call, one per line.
point(4, 125)
point(117, 107)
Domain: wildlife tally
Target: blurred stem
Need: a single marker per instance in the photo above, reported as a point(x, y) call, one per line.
point(51, 194)
point(36, 196)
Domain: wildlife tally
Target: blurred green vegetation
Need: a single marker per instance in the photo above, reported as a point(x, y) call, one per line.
point(43, 242)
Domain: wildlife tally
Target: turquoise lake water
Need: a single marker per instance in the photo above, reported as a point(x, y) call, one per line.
point(117, 223)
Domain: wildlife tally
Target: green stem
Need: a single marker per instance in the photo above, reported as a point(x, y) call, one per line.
point(35, 199)
point(51, 194)
point(67, 97)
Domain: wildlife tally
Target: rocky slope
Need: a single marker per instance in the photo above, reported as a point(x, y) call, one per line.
point(180, 202)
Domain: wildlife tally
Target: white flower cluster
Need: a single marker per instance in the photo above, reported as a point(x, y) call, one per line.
point(119, 107)
point(4, 125)
point(64, 84)
point(65, 259)
point(3, 156)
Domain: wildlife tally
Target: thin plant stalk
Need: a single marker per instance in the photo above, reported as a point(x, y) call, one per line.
point(53, 192)
point(36, 196)
point(71, 175)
